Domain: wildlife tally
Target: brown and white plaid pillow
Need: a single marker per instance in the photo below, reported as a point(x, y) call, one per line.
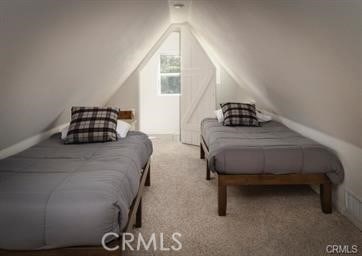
point(239, 114)
point(92, 124)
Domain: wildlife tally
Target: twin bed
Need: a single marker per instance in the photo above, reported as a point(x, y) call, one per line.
point(268, 155)
point(58, 199)
point(61, 199)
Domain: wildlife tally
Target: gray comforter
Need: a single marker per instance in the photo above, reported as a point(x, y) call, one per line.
point(272, 148)
point(55, 195)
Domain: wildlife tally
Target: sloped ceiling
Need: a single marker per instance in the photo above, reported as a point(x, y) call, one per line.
point(55, 54)
point(301, 58)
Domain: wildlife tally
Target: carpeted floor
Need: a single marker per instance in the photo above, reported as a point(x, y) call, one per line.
point(277, 220)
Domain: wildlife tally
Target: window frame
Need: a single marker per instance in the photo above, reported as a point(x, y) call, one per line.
point(160, 75)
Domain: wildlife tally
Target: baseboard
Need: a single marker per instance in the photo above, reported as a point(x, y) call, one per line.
point(27, 143)
point(169, 137)
point(353, 209)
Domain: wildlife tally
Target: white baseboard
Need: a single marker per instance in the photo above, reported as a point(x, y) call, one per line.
point(27, 143)
point(170, 137)
point(353, 209)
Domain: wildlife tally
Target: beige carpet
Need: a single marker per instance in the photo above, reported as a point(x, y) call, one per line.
point(278, 220)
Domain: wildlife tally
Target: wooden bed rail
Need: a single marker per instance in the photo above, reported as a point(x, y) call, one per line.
point(271, 179)
point(135, 216)
point(224, 180)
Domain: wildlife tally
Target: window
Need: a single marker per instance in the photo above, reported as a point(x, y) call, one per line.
point(170, 82)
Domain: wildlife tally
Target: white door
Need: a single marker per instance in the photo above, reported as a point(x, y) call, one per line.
point(198, 86)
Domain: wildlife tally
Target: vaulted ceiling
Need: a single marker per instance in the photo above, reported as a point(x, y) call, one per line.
point(300, 58)
point(55, 54)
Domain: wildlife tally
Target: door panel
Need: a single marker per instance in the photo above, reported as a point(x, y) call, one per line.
point(198, 85)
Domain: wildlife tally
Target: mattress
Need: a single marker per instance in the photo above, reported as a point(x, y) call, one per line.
point(270, 149)
point(54, 195)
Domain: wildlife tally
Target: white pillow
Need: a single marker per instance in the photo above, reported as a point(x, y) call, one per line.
point(262, 117)
point(122, 128)
point(64, 132)
point(219, 115)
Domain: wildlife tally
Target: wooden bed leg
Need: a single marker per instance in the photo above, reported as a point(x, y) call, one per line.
point(148, 178)
point(222, 197)
point(326, 197)
point(139, 215)
point(207, 171)
point(202, 152)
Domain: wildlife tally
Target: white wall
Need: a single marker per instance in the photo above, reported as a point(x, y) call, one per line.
point(229, 90)
point(290, 52)
point(159, 114)
point(228, 87)
point(57, 54)
point(127, 96)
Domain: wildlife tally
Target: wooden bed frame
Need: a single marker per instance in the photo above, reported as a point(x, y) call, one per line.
point(134, 220)
point(224, 180)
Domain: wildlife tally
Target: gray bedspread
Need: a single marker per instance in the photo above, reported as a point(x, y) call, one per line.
point(272, 148)
point(55, 195)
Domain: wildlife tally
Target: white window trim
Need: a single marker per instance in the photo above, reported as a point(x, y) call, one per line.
point(170, 74)
point(166, 74)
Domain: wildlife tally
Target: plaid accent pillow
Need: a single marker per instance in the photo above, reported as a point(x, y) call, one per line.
point(92, 124)
point(239, 114)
